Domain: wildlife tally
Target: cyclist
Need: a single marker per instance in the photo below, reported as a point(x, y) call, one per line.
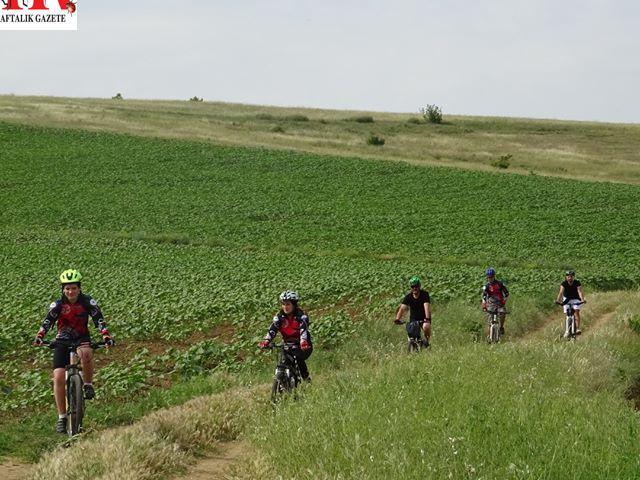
point(71, 314)
point(494, 295)
point(293, 324)
point(571, 291)
point(418, 302)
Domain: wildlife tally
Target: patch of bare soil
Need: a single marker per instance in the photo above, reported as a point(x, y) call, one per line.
point(215, 465)
point(13, 469)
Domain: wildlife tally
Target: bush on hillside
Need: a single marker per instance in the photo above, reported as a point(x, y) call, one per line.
point(432, 113)
point(117, 96)
point(503, 161)
point(361, 119)
point(196, 99)
point(375, 140)
point(296, 118)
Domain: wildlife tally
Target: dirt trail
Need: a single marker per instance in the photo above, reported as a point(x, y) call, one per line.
point(215, 466)
point(13, 469)
point(597, 324)
point(557, 318)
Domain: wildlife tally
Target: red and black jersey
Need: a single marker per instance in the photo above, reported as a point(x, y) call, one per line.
point(72, 320)
point(293, 327)
point(495, 290)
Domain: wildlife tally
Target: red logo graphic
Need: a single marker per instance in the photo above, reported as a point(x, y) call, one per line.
point(37, 5)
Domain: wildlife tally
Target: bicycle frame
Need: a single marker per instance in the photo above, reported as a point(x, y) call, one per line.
point(74, 383)
point(570, 320)
point(287, 373)
point(494, 326)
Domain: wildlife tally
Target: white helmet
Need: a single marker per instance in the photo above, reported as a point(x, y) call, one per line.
point(289, 295)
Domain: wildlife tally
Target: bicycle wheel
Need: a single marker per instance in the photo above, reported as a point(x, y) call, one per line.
point(276, 390)
point(493, 338)
point(75, 405)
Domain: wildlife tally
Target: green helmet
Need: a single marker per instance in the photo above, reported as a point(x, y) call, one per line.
point(70, 276)
point(414, 281)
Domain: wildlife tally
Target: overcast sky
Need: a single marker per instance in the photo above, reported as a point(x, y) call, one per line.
point(574, 59)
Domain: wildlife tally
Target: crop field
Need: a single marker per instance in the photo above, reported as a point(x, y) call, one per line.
point(180, 240)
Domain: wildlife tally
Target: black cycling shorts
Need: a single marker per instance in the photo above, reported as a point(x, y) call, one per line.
point(61, 353)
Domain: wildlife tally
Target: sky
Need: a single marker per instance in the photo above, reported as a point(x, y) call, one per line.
point(570, 59)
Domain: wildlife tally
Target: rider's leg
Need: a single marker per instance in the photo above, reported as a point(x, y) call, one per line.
point(86, 357)
point(58, 390)
point(301, 356)
point(577, 319)
point(502, 318)
point(426, 329)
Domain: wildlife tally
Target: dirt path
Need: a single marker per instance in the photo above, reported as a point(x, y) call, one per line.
point(13, 470)
point(596, 325)
point(215, 465)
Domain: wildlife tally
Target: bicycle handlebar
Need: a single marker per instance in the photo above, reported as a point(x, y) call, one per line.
point(72, 344)
point(566, 302)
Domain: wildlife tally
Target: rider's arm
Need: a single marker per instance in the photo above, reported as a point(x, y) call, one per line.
point(96, 315)
point(505, 292)
point(51, 318)
point(581, 294)
point(273, 329)
point(427, 310)
point(401, 310)
point(304, 328)
point(560, 294)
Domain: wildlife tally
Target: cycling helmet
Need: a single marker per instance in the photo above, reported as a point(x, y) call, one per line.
point(70, 276)
point(289, 296)
point(570, 272)
point(414, 281)
point(490, 272)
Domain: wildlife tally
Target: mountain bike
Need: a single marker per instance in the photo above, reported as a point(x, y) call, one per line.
point(287, 374)
point(571, 328)
point(493, 313)
point(74, 384)
point(415, 343)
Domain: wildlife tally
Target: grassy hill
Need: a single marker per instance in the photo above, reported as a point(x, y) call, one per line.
point(594, 151)
point(187, 243)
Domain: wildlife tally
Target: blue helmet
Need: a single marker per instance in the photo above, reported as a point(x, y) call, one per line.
point(490, 272)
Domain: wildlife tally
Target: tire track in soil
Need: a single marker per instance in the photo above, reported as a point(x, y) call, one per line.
point(13, 469)
point(214, 466)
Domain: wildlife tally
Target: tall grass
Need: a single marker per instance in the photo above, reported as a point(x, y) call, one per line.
point(162, 443)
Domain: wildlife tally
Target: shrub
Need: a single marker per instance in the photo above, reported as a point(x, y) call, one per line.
point(432, 113)
point(414, 120)
point(362, 119)
point(375, 140)
point(117, 96)
point(196, 99)
point(277, 129)
point(264, 116)
point(634, 323)
point(503, 161)
point(296, 118)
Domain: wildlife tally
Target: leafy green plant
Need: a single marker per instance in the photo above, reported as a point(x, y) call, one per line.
point(361, 119)
point(503, 162)
point(375, 140)
point(432, 113)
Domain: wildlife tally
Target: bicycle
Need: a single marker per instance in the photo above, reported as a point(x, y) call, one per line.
point(287, 374)
point(74, 391)
point(493, 317)
point(570, 322)
point(415, 343)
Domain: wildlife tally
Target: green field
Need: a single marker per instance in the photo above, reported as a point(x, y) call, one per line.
point(186, 244)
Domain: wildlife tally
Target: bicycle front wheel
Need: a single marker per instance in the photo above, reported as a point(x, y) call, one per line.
point(75, 405)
